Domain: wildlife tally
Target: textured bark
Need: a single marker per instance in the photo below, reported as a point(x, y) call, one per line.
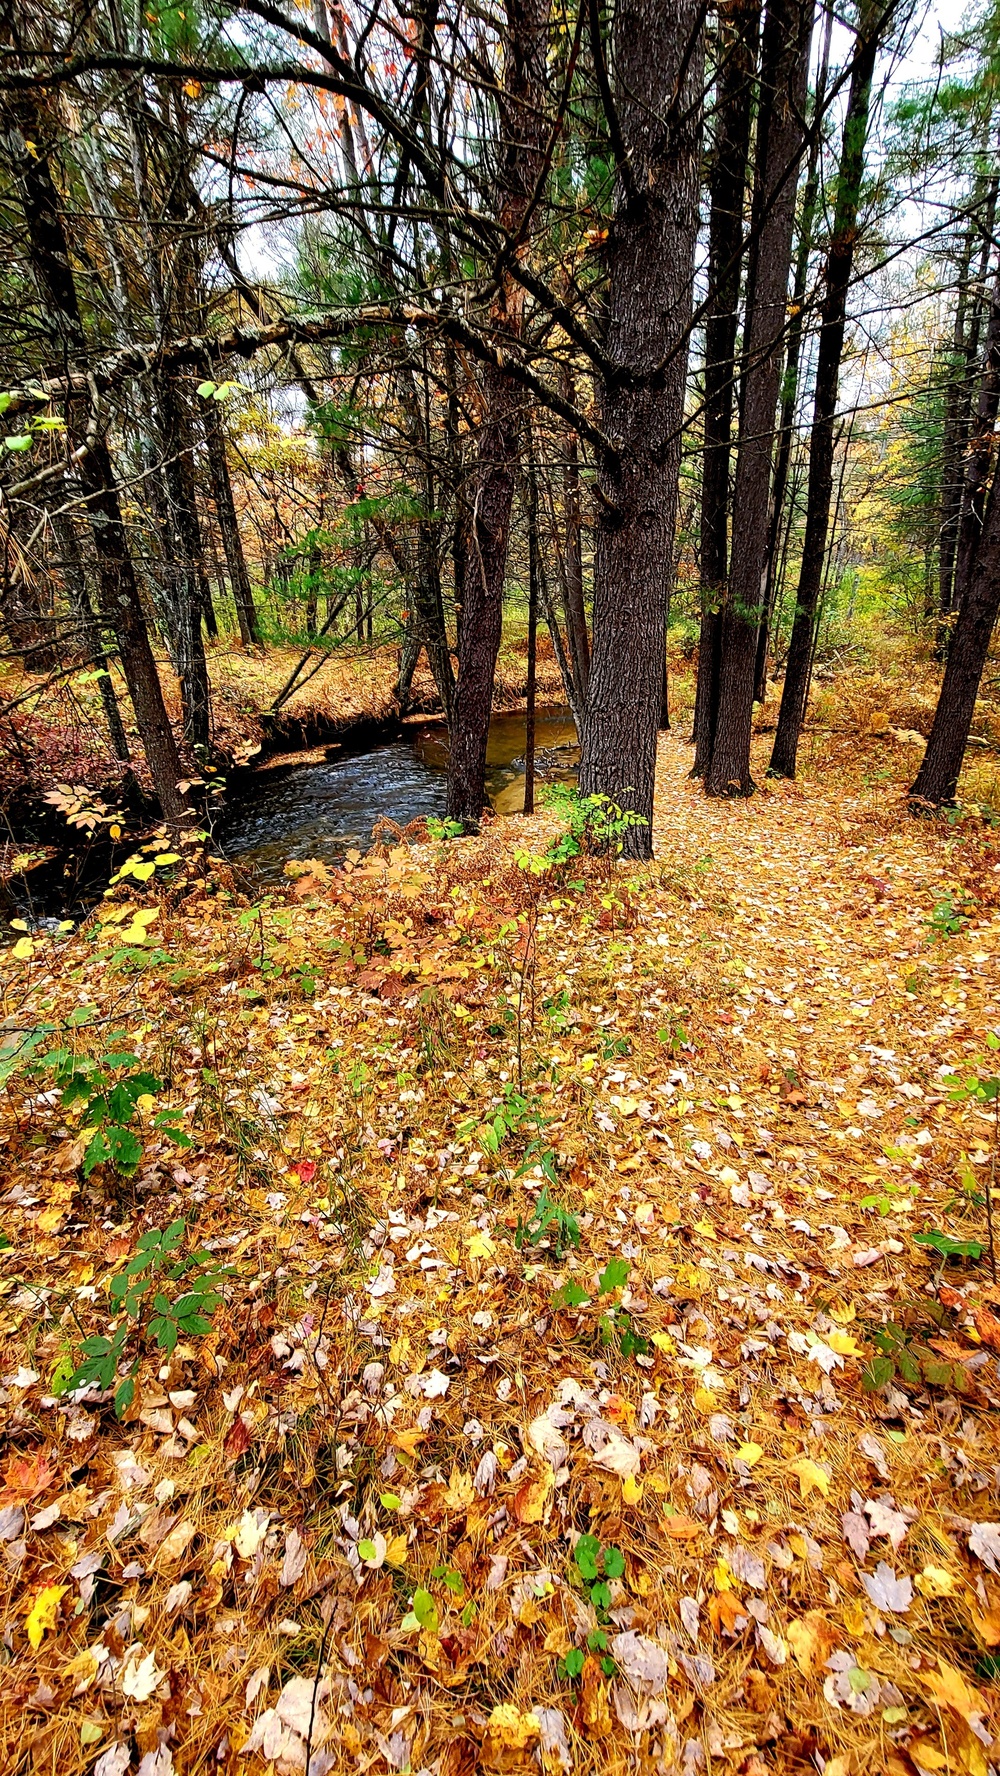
point(790, 380)
point(120, 605)
point(951, 455)
point(833, 315)
point(657, 63)
point(484, 561)
point(576, 613)
point(534, 567)
point(174, 423)
point(780, 141)
point(75, 576)
point(739, 29)
point(937, 780)
point(980, 453)
point(229, 530)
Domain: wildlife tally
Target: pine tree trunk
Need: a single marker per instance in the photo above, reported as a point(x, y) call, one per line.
point(658, 59)
point(937, 780)
point(780, 139)
point(229, 530)
point(75, 576)
point(739, 28)
point(790, 380)
point(484, 554)
point(576, 613)
point(839, 266)
point(120, 605)
point(977, 464)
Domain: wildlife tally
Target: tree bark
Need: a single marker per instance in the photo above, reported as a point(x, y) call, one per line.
point(229, 530)
point(576, 612)
point(120, 605)
point(977, 464)
point(780, 140)
point(839, 267)
point(658, 59)
point(739, 29)
point(790, 380)
point(936, 782)
point(75, 576)
point(489, 500)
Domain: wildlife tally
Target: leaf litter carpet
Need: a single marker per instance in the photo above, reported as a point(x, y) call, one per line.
point(444, 1491)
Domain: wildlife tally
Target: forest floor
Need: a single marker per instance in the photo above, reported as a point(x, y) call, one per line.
point(579, 1397)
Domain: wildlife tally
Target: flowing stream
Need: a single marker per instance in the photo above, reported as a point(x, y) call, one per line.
point(323, 807)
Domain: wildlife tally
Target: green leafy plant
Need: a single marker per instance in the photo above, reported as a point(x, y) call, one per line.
point(157, 1261)
point(594, 1564)
point(946, 920)
point(113, 1104)
point(906, 1357)
point(520, 1121)
point(548, 1215)
point(615, 1326)
point(422, 1614)
point(982, 1088)
point(443, 829)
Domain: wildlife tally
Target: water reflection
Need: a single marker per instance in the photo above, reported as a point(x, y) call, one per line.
point(324, 808)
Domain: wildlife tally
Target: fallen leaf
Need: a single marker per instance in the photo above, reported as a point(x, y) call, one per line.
point(811, 1477)
point(140, 1675)
point(886, 1590)
point(935, 1581)
point(532, 1499)
point(44, 1613)
point(812, 1638)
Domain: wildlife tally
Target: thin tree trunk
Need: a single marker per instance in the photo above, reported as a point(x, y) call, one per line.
point(485, 550)
point(75, 576)
point(780, 140)
point(229, 529)
point(179, 482)
point(658, 59)
point(937, 780)
point(739, 29)
point(533, 573)
point(839, 266)
point(951, 456)
point(121, 608)
point(790, 380)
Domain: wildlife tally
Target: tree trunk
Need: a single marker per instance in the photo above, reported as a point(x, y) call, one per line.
point(951, 456)
point(229, 530)
point(484, 564)
point(533, 577)
point(75, 576)
point(937, 780)
point(839, 266)
point(576, 613)
point(739, 28)
point(658, 59)
point(780, 137)
point(190, 595)
point(977, 464)
point(790, 380)
point(121, 608)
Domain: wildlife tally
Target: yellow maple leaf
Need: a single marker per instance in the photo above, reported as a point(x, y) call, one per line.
point(844, 1344)
point(44, 1612)
point(811, 1477)
point(950, 1690)
point(631, 1489)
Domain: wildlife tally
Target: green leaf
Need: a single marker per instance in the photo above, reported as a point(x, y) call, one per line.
point(367, 1550)
point(423, 1613)
point(574, 1662)
point(124, 1397)
point(22, 441)
point(390, 1501)
point(948, 1247)
point(613, 1276)
point(570, 1294)
point(614, 1562)
point(586, 1554)
point(205, 390)
point(600, 1595)
point(124, 1147)
point(876, 1374)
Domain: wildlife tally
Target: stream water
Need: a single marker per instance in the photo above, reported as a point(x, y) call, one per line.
point(324, 807)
